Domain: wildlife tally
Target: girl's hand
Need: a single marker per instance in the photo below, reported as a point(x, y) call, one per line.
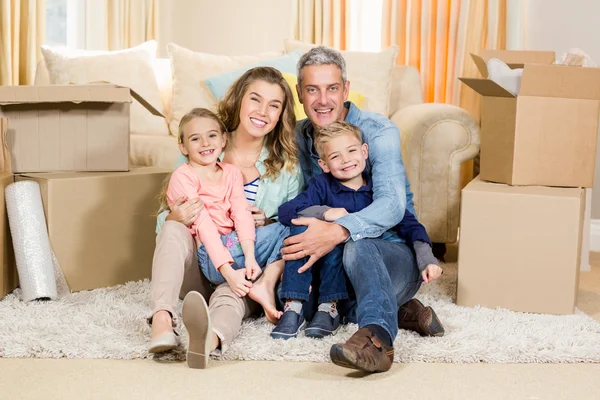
point(186, 211)
point(260, 219)
point(431, 273)
point(252, 269)
point(334, 213)
point(236, 280)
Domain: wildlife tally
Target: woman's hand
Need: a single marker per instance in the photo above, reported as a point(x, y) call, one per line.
point(186, 211)
point(260, 219)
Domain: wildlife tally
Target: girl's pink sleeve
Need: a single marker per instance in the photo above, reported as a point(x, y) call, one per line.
point(241, 216)
point(186, 183)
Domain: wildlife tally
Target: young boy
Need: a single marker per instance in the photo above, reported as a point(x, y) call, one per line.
point(343, 188)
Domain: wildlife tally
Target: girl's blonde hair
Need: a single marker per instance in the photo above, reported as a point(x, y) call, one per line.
point(193, 114)
point(283, 151)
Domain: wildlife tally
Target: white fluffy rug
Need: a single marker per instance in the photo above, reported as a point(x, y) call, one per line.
point(110, 323)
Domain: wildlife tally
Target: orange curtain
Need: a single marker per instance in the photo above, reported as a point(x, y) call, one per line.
point(426, 34)
point(437, 37)
point(484, 28)
point(324, 22)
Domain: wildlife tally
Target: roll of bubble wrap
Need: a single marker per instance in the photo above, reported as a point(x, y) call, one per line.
point(30, 241)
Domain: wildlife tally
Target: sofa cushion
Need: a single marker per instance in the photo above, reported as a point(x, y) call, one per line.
point(219, 84)
point(131, 68)
point(153, 151)
point(191, 69)
point(368, 73)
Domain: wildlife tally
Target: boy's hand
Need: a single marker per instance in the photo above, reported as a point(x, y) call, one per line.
point(431, 273)
point(252, 269)
point(236, 280)
point(334, 213)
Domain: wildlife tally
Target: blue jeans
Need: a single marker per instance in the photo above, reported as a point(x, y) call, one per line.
point(384, 276)
point(267, 249)
point(332, 285)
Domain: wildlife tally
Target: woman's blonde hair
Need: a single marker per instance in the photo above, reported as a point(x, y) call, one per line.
point(191, 115)
point(283, 151)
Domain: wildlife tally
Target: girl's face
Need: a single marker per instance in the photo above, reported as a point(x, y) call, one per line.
point(261, 108)
point(203, 141)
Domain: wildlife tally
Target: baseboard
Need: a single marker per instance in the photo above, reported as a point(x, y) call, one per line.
point(595, 235)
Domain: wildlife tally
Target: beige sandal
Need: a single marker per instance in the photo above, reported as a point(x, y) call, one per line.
point(197, 322)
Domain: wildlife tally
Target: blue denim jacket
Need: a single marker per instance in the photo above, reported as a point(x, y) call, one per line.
point(391, 190)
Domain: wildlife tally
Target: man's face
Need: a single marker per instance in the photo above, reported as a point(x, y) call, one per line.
point(323, 94)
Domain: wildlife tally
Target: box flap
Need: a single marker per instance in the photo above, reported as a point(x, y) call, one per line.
point(478, 185)
point(561, 81)
point(106, 93)
point(4, 152)
point(153, 110)
point(517, 58)
point(481, 65)
point(486, 87)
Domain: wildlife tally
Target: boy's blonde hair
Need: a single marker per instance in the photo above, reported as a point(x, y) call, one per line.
point(190, 116)
point(338, 128)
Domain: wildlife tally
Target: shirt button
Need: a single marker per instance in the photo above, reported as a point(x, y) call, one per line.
point(358, 236)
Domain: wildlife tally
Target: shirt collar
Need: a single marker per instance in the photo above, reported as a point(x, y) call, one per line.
point(337, 187)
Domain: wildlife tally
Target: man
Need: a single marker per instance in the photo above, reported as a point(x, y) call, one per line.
point(383, 274)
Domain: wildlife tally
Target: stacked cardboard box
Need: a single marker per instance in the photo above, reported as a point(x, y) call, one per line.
point(74, 141)
point(522, 218)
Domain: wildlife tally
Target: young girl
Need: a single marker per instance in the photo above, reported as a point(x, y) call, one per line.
point(224, 231)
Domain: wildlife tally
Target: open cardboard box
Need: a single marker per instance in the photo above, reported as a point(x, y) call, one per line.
point(546, 135)
point(67, 128)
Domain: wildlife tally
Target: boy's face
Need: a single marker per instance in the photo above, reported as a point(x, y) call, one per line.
point(344, 157)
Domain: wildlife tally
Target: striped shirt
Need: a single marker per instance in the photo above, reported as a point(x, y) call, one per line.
point(250, 190)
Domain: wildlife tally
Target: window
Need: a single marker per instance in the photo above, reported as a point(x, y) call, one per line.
point(65, 23)
point(366, 23)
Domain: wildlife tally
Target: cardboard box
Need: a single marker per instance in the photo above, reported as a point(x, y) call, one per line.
point(520, 247)
point(68, 127)
point(546, 135)
point(8, 273)
point(101, 225)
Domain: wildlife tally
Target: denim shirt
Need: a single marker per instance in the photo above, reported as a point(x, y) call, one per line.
point(271, 193)
point(391, 190)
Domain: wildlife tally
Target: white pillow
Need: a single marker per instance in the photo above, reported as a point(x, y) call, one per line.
point(190, 69)
point(132, 68)
point(368, 73)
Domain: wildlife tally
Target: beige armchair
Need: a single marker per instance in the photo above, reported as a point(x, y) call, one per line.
point(436, 140)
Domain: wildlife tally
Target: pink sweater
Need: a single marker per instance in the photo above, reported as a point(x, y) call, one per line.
point(225, 208)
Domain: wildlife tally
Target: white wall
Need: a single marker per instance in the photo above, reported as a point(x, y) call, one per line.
point(560, 25)
point(229, 27)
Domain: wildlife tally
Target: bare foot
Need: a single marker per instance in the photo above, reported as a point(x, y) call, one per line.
point(264, 295)
point(161, 324)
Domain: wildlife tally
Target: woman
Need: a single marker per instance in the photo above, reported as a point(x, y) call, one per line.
point(258, 112)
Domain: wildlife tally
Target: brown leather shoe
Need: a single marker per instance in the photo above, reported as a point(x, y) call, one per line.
point(414, 316)
point(363, 351)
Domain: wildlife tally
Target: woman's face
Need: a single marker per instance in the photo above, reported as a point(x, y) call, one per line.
point(261, 108)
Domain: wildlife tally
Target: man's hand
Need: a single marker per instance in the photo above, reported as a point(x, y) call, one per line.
point(334, 213)
point(185, 211)
point(431, 273)
point(319, 239)
point(252, 269)
point(260, 219)
point(236, 279)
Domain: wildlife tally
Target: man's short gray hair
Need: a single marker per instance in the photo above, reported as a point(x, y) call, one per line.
point(321, 55)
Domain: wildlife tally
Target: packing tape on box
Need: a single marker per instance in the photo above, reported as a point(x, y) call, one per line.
point(36, 264)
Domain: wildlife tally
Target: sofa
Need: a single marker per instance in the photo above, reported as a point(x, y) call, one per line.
point(436, 140)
